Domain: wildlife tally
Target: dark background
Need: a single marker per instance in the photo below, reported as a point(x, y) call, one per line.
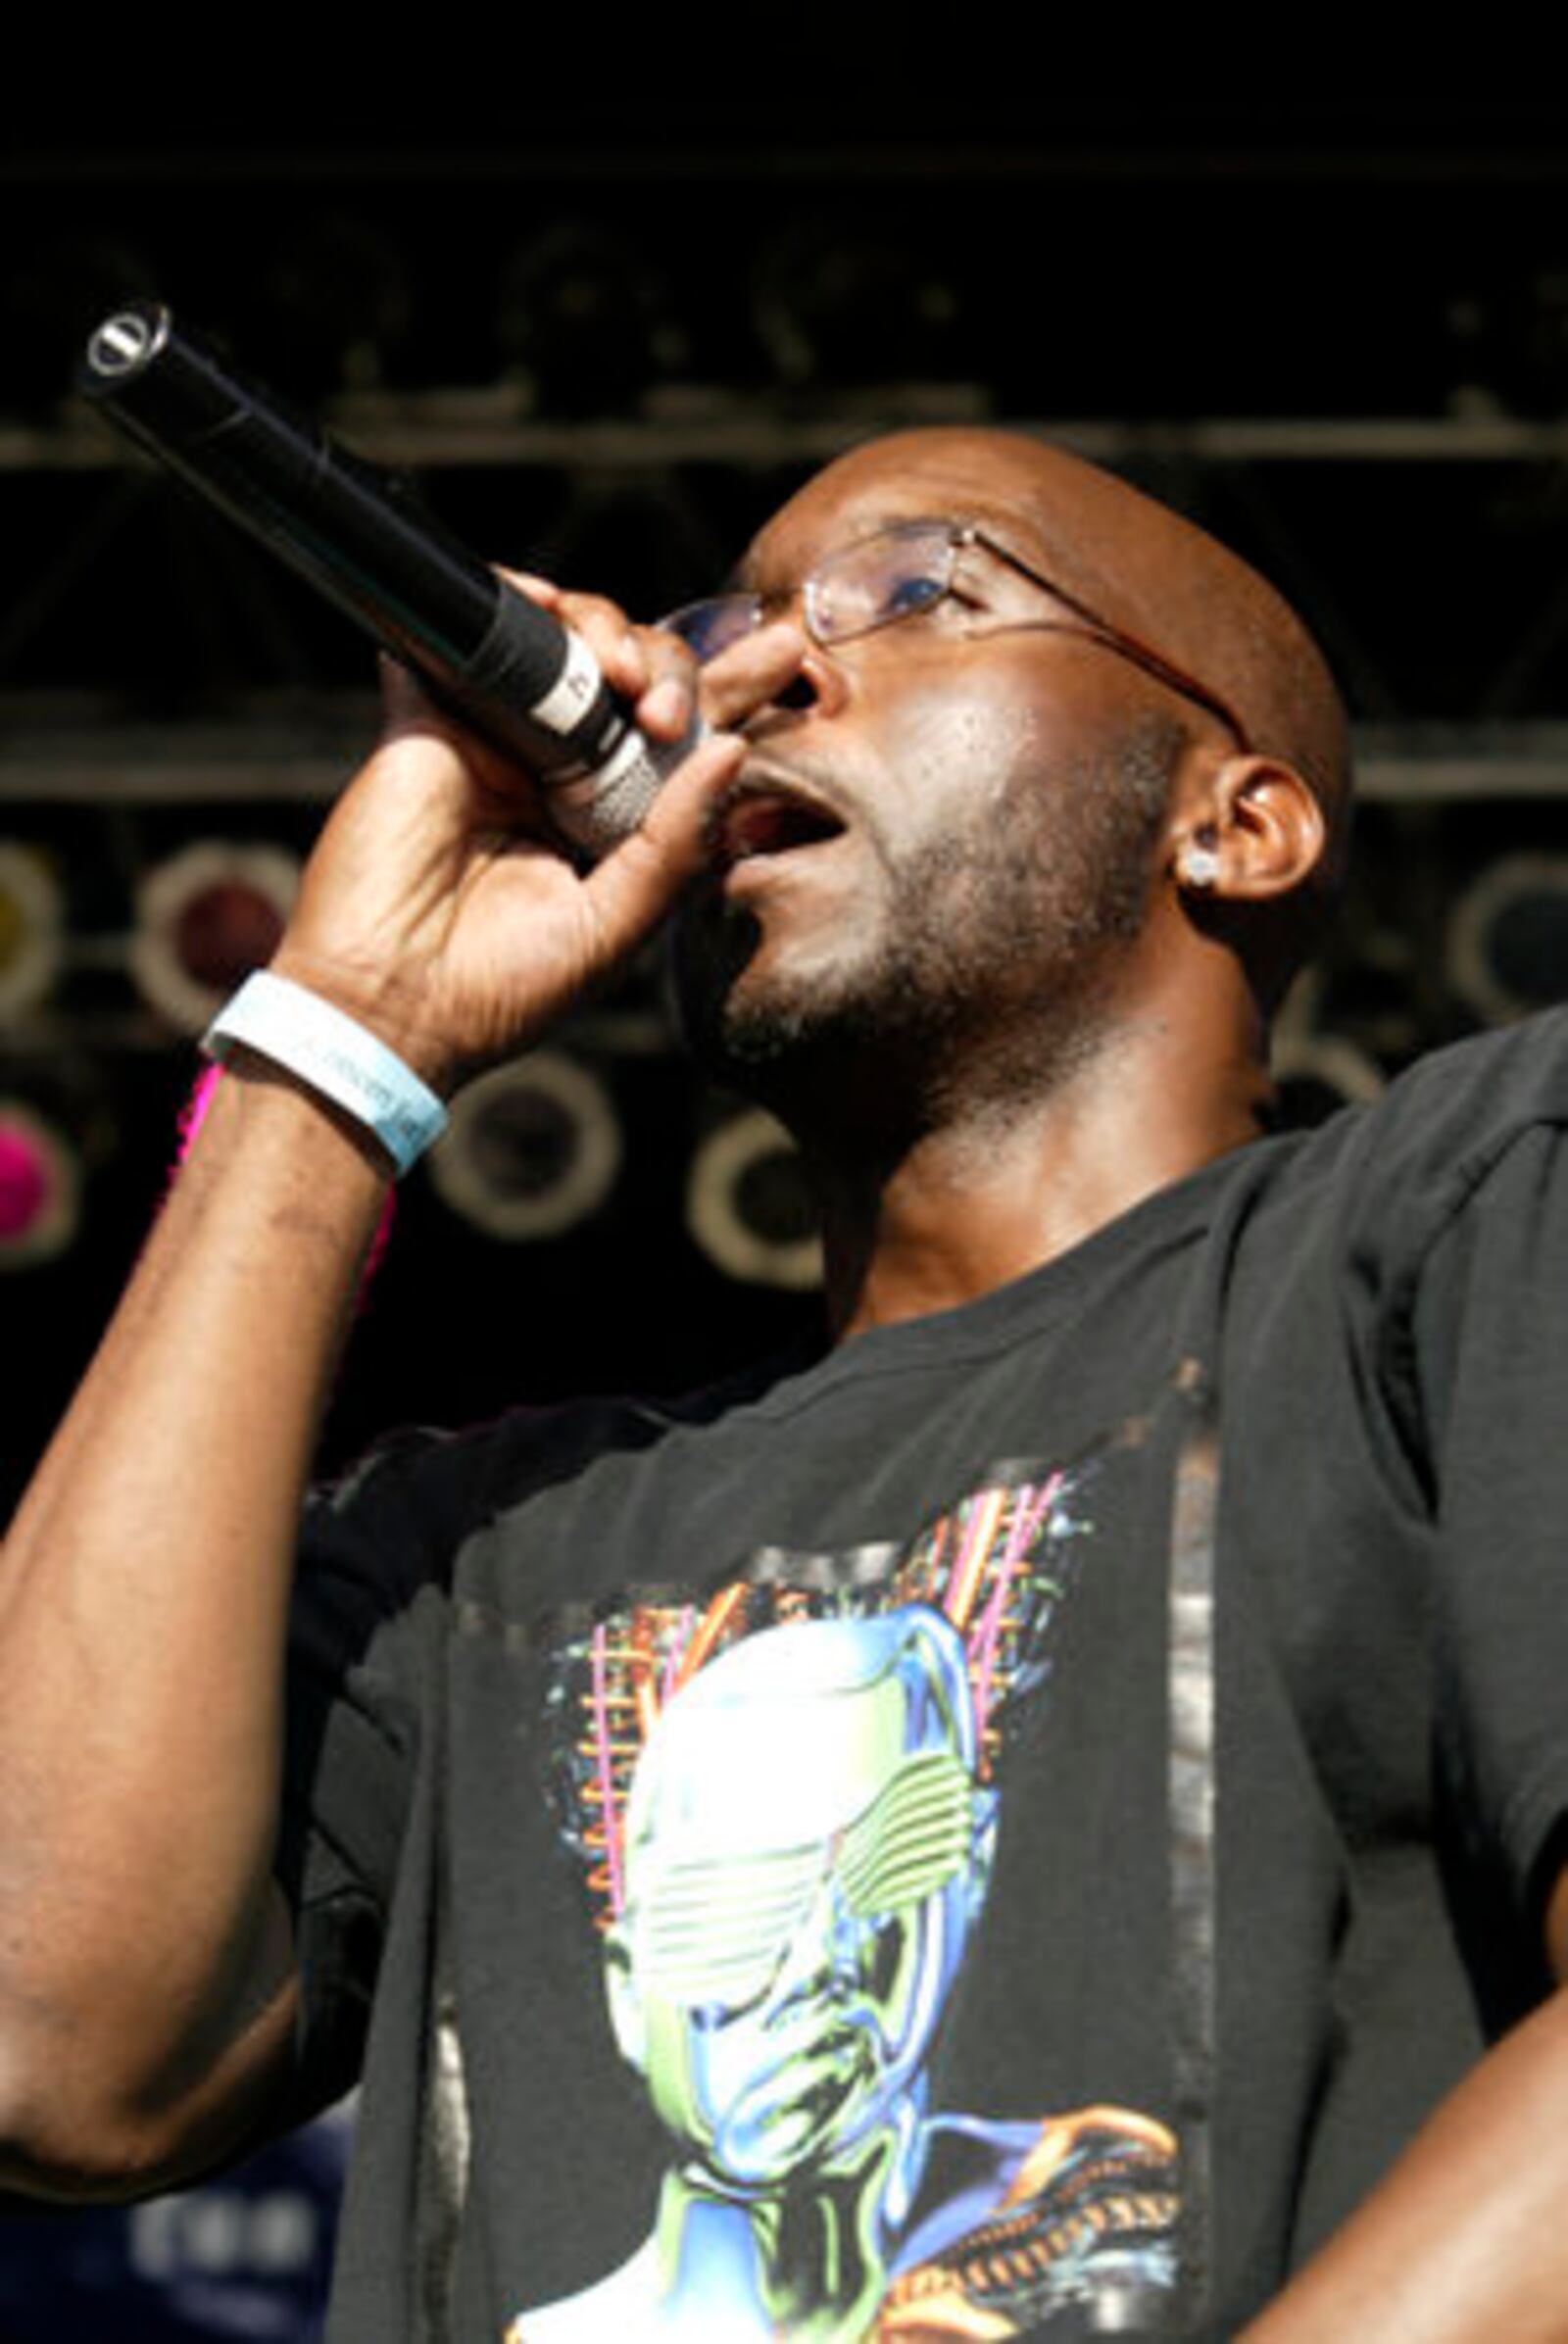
point(1335, 331)
point(605, 341)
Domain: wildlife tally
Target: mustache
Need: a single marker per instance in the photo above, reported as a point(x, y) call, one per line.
point(769, 807)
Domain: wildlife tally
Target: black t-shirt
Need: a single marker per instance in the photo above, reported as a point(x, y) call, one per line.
point(1014, 1821)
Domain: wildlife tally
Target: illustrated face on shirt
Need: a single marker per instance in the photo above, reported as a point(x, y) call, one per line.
point(806, 1854)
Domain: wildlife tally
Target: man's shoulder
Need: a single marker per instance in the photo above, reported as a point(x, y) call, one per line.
point(1341, 1227)
point(1444, 1121)
point(1502, 1080)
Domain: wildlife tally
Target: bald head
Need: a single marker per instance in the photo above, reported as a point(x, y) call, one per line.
point(1142, 566)
point(1133, 564)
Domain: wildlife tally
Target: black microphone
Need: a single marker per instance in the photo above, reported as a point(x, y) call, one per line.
point(511, 669)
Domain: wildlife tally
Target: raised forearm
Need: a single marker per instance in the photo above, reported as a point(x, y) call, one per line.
point(144, 1976)
point(1465, 2242)
point(143, 1596)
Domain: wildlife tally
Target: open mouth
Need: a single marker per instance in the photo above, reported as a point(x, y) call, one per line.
point(762, 816)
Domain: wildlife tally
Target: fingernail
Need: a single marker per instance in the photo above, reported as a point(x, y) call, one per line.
point(668, 707)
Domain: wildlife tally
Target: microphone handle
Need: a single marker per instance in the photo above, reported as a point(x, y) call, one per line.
point(360, 536)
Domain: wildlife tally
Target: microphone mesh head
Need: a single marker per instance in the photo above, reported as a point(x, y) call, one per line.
point(599, 810)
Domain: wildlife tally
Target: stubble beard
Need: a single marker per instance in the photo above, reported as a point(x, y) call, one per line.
point(988, 975)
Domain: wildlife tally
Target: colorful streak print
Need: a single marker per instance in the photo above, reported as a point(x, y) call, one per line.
point(784, 1802)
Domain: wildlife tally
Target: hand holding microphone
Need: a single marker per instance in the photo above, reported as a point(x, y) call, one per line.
point(437, 910)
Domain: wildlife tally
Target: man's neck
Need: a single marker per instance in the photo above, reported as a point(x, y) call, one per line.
point(996, 1190)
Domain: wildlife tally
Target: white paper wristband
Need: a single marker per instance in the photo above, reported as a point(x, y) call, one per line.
point(336, 1056)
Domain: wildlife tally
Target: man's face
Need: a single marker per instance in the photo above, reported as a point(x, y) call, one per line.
point(993, 783)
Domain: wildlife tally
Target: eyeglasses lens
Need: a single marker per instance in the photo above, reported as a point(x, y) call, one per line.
point(882, 580)
point(708, 628)
point(896, 574)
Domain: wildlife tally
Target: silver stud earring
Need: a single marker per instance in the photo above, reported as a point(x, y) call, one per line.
point(1199, 870)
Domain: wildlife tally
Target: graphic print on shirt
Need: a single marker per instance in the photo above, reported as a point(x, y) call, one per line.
point(783, 1801)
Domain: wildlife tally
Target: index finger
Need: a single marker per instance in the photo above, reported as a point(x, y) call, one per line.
point(741, 680)
point(652, 669)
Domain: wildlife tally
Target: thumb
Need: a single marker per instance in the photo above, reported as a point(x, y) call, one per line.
point(639, 880)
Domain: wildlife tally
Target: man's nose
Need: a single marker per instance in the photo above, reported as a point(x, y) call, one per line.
point(816, 687)
point(800, 692)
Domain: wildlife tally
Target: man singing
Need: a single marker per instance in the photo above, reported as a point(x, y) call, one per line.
point(1045, 1817)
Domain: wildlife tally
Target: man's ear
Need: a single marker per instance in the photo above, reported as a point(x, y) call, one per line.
point(1252, 830)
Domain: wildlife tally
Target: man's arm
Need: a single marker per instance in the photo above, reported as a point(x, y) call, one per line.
point(1466, 2240)
point(146, 1976)
point(144, 1963)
